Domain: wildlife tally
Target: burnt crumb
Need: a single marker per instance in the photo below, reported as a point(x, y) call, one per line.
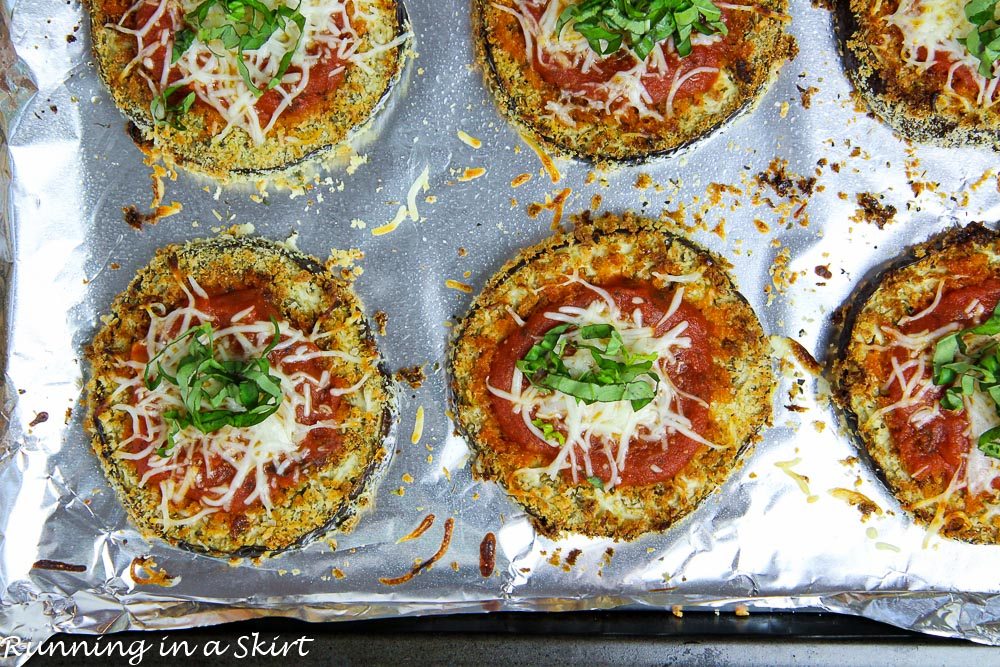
point(239, 525)
point(873, 211)
point(135, 219)
point(40, 418)
point(57, 566)
point(743, 72)
point(572, 557)
point(381, 320)
point(70, 39)
point(114, 266)
point(823, 271)
point(487, 555)
point(412, 375)
point(805, 95)
point(784, 185)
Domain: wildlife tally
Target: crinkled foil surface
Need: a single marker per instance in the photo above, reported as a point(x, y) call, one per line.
point(768, 539)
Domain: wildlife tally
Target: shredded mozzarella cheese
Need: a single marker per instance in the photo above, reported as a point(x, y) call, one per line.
point(255, 453)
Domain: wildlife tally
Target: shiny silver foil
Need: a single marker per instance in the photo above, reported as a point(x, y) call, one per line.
point(764, 540)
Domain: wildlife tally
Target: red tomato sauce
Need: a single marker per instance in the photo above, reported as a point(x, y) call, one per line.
point(574, 80)
point(322, 80)
point(692, 374)
point(320, 444)
point(934, 449)
point(963, 81)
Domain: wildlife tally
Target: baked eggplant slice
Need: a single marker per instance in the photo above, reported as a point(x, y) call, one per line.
point(912, 377)
point(583, 96)
point(908, 63)
point(239, 89)
point(237, 401)
point(609, 378)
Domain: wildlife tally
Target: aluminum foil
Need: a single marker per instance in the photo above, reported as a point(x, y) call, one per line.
point(773, 537)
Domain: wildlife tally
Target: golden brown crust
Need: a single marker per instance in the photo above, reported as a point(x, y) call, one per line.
point(605, 250)
point(912, 101)
point(306, 295)
point(297, 136)
point(522, 95)
point(906, 287)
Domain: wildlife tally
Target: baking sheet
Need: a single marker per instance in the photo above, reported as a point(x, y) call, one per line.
point(763, 541)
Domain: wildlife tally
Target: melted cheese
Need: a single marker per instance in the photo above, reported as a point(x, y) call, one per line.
point(605, 430)
point(331, 30)
point(256, 453)
point(626, 91)
point(933, 27)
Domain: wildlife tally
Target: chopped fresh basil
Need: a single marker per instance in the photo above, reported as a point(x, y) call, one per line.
point(596, 482)
point(205, 383)
point(640, 25)
point(983, 41)
point(241, 25)
point(549, 431)
point(617, 374)
point(963, 369)
point(166, 113)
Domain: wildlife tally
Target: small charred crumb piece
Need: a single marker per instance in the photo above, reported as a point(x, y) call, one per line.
point(40, 418)
point(412, 375)
point(805, 95)
point(381, 321)
point(57, 566)
point(823, 271)
point(487, 555)
point(777, 178)
point(872, 211)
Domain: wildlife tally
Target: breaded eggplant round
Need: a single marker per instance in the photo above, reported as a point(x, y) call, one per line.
point(900, 379)
point(551, 83)
point(610, 377)
point(910, 69)
point(230, 90)
point(237, 400)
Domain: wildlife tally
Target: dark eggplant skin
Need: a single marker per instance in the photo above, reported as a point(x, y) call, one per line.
point(558, 507)
point(376, 442)
point(846, 375)
point(515, 103)
point(911, 113)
